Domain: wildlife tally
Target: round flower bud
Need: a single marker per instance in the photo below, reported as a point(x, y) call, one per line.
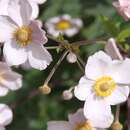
point(45, 89)
point(67, 95)
point(117, 126)
point(71, 57)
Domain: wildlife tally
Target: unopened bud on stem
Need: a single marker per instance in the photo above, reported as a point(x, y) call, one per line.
point(117, 126)
point(45, 89)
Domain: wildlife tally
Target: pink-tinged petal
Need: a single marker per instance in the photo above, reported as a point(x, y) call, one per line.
point(66, 17)
point(123, 11)
point(3, 90)
point(14, 12)
point(6, 115)
point(12, 80)
point(4, 67)
point(120, 70)
point(112, 49)
point(14, 54)
point(39, 23)
point(7, 27)
point(59, 125)
point(98, 112)
point(120, 95)
point(4, 7)
point(2, 128)
point(76, 118)
point(25, 11)
point(35, 10)
point(39, 57)
point(39, 1)
point(97, 65)
point(38, 35)
point(84, 89)
point(124, 2)
point(71, 32)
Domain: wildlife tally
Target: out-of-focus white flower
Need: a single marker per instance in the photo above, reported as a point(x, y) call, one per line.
point(23, 37)
point(4, 5)
point(71, 57)
point(112, 49)
point(123, 7)
point(9, 80)
point(76, 121)
point(6, 116)
point(63, 24)
point(105, 83)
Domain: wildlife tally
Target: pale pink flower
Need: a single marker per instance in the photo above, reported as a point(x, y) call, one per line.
point(64, 24)
point(76, 121)
point(123, 7)
point(71, 57)
point(23, 38)
point(6, 116)
point(9, 80)
point(105, 83)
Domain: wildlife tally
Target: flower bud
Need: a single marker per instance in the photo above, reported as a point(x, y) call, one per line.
point(117, 126)
point(67, 95)
point(45, 89)
point(71, 58)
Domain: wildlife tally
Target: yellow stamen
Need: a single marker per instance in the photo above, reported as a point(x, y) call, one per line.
point(84, 126)
point(63, 25)
point(23, 35)
point(104, 86)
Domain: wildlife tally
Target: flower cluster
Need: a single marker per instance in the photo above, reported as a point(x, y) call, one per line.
point(105, 82)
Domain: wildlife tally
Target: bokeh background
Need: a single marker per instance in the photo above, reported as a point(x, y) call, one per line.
point(32, 112)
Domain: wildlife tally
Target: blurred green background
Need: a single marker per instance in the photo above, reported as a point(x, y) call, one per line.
point(33, 113)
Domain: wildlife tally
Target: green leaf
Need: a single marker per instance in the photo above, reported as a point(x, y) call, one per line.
point(123, 35)
point(110, 26)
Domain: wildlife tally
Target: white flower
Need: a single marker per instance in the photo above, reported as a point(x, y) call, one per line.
point(9, 80)
point(105, 83)
point(6, 116)
point(23, 38)
point(71, 57)
point(63, 24)
point(112, 49)
point(76, 121)
point(4, 5)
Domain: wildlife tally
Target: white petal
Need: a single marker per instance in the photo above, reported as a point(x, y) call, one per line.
point(35, 11)
point(120, 71)
point(6, 115)
point(112, 49)
point(120, 95)
point(7, 27)
point(38, 35)
point(39, 57)
point(14, 12)
point(97, 65)
point(12, 80)
point(14, 54)
point(39, 1)
point(4, 7)
point(84, 89)
point(3, 90)
point(2, 128)
point(77, 23)
point(98, 112)
point(25, 11)
point(4, 67)
point(59, 125)
point(66, 17)
point(77, 117)
point(71, 32)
